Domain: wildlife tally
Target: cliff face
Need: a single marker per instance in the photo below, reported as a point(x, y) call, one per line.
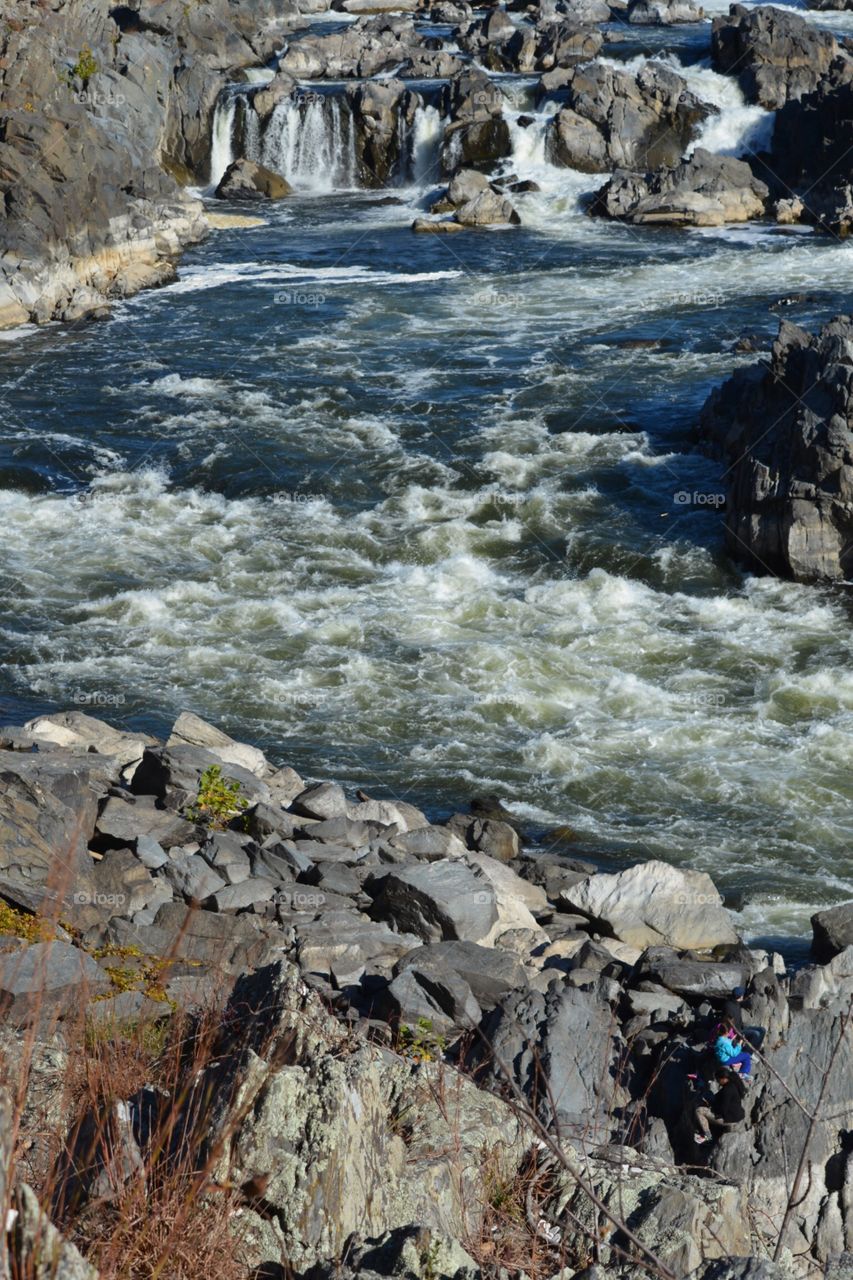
point(104, 117)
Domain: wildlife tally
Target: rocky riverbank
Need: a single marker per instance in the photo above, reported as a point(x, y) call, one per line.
point(427, 1038)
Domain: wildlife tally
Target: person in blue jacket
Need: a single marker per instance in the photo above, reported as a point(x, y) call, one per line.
point(730, 1051)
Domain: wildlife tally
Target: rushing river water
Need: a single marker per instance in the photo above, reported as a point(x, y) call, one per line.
point(415, 512)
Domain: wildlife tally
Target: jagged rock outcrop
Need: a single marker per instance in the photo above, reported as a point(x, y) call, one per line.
point(784, 432)
point(477, 135)
point(496, 42)
point(776, 55)
point(618, 119)
point(812, 150)
point(368, 46)
point(833, 931)
point(664, 13)
point(99, 116)
point(381, 112)
point(705, 191)
point(348, 1137)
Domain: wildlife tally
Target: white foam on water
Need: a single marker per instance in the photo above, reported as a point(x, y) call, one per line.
point(217, 275)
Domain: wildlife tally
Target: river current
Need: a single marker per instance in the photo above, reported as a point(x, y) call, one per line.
point(419, 513)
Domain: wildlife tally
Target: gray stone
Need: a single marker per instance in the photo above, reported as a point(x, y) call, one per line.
point(437, 900)
point(191, 730)
point(248, 180)
point(776, 54)
point(428, 990)
point(244, 896)
point(429, 844)
point(489, 973)
point(38, 1249)
point(172, 775)
point(654, 903)
point(48, 809)
point(618, 119)
point(190, 876)
point(123, 821)
point(324, 800)
point(50, 979)
point(832, 930)
point(561, 1049)
point(123, 885)
point(226, 853)
point(151, 853)
point(706, 190)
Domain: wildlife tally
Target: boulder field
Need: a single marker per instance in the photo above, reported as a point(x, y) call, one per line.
point(406, 1016)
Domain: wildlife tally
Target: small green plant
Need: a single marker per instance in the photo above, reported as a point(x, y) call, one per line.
point(421, 1042)
point(20, 924)
point(218, 801)
point(84, 68)
point(430, 1260)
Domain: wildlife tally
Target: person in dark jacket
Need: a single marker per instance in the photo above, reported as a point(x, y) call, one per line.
point(733, 1013)
point(725, 1109)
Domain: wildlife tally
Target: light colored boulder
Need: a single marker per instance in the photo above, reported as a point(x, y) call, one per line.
point(190, 730)
point(654, 903)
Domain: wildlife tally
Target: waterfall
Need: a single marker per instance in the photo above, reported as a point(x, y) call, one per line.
point(222, 139)
point(423, 146)
point(310, 141)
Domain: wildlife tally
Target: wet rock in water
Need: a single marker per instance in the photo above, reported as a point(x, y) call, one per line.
point(487, 210)
point(664, 13)
point(832, 931)
point(783, 431)
point(496, 42)
point(436, 226)
point(705, 191)
point(776, 54)
point(265, 99)
point(246, 180)
point(381, 111)
point(654, 903)
point(617, 118)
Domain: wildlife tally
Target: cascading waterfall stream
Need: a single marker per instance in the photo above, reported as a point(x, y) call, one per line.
point(310, 141)
point(222, 138)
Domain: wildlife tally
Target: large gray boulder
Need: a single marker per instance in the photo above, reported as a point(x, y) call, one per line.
point(619, 119)
point(382, 113)
point(172, 775)
point(776, 54)
point(654, 903)
point(437, 900)
point(347, 1137)
point(782, 428)
point(832, 931)
point(489, 973)
point(48, 809)
point(560, 1051)
point(191, 731)
point(48, 980)
point(706, 190)
point(76, 729)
